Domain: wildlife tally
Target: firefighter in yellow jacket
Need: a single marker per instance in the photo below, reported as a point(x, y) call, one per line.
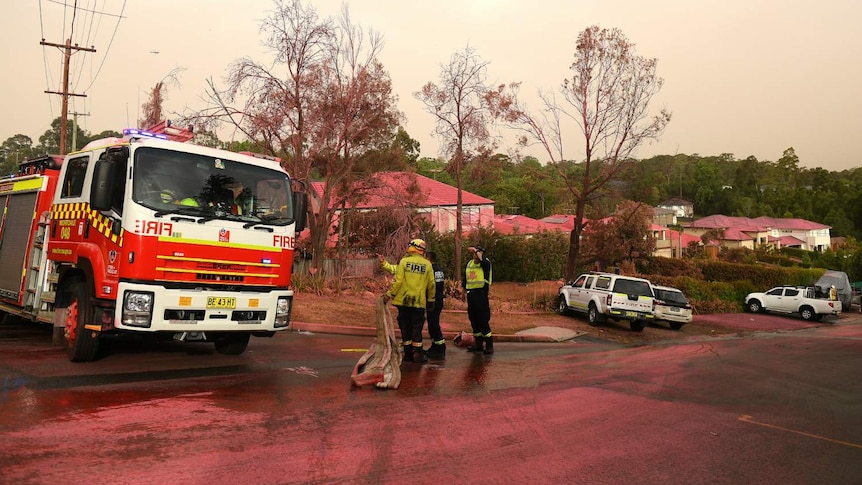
point(477, 281)
point(413, 290)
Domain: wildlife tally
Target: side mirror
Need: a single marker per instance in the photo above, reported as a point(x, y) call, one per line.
point(300, 206)
point(104, 177)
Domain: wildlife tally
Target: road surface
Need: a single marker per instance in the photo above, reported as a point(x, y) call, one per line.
point(772, 407)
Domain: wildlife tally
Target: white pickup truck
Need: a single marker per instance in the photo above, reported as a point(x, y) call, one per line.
point(607, 295)
point(792, 299)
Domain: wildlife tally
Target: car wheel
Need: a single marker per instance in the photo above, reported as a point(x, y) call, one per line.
point(82, 345)
point(592, 315)
point(676, 326)
point(562, 307)
point(232, 343)
point(807, 313)
point(637, 327)
point(754, 306)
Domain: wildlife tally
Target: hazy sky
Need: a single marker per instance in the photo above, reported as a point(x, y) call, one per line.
point(747, 77)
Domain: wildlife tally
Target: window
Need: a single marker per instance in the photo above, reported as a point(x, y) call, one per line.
point(76, 171)
point(603, 283)
point(589, 283)
point(632, 287)
point(120, 175)
point(671, 296)
point(579, 283)
point(791, 292)
point(775, 292)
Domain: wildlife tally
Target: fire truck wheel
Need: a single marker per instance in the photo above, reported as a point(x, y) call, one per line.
point(233, 343)
point(82, 345)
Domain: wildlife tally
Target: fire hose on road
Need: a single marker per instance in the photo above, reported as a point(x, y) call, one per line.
point(381, 364)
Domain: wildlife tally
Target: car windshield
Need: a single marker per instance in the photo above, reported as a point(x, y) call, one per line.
point(632, 287)
point(172, 182)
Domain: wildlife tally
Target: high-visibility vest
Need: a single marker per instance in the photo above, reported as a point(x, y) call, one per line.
point(476, 275)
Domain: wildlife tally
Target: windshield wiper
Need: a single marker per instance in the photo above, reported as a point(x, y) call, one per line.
point(258, 225)
point(186, 211)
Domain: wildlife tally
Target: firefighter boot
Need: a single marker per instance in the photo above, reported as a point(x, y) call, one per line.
point(489, 345)
point(408, 353)
point(419, 356)
point(476, 347)
point(436, 351)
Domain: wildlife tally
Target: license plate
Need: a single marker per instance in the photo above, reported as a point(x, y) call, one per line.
point(221, 302)
point(674, 309)
point(632, 314)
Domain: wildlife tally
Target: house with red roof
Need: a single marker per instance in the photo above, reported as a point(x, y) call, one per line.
point(566, 222)
point(750, 233)
point(434, 200)
point(523, 225)
point(800, 233)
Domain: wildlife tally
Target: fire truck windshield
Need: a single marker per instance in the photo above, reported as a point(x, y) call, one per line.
point(213, 188)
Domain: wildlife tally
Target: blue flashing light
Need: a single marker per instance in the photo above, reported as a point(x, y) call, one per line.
point(266, 261)
point(137, 132)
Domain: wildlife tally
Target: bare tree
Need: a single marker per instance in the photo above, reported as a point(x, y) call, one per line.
point(329, 108)
point(462, 118)
point(608, 97)
point(152, 113)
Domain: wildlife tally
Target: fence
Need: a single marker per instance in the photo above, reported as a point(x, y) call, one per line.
point(350, 268)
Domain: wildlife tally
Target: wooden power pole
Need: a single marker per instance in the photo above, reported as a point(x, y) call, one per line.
point(64, 113)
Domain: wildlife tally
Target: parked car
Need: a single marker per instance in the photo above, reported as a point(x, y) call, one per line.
point(607, 295)
point(792, 299)
point(671, 306)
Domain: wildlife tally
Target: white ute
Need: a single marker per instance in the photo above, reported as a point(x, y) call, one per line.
point(792, 299)
point(608, 295)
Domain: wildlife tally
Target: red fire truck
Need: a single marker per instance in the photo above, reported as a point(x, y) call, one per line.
point(145, 234)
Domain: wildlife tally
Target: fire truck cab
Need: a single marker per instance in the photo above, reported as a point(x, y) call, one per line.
point(142, 234)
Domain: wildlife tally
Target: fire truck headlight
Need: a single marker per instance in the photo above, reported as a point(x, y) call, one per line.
point(138, 302)
point(137, 309)
point(282, 311)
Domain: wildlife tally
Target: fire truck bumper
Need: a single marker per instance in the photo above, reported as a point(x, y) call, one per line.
point(146, 308)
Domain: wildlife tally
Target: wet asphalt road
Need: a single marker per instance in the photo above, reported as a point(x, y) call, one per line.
point(778, 407)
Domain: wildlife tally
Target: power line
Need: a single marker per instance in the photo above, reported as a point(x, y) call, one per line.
point(45, 59)
point(105, 57)
point(87, 10)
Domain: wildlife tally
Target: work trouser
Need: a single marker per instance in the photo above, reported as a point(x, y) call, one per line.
point(410, 322)
point(479, 312)
point(434, 330)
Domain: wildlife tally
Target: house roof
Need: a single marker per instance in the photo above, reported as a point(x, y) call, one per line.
point(720, 221)
point(735, 234)
point(759, 224)
point(788, 241)
point(563, 221)
point(686, 238)
point(675, 201)
point(389, 188)
point(789, 223)
point(511, 224)
point(674, 236)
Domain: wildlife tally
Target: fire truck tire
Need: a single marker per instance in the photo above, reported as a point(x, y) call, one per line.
point(233, 343)
point(82, 345)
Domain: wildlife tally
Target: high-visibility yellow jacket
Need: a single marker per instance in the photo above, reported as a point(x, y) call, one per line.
point(414, 284)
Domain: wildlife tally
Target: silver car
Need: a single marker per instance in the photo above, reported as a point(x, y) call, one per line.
point(671, 306)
